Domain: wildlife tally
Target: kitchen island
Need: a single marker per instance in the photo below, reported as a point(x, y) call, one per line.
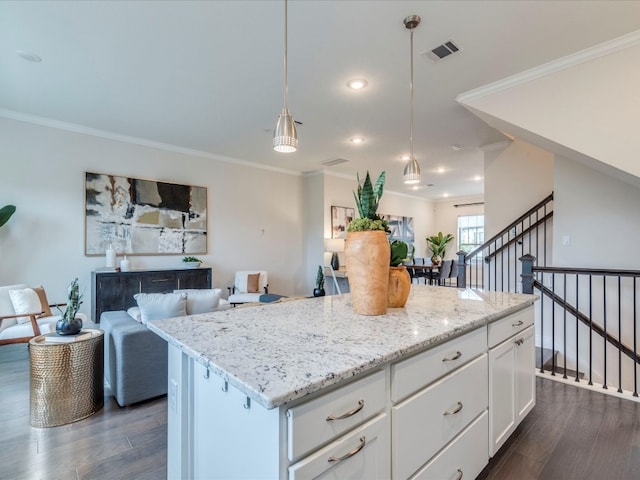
point(306, 388)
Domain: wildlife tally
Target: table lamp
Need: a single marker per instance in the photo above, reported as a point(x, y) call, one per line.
point(334, 245)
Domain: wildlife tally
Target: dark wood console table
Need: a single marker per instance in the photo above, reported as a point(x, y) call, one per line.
point(115, 290)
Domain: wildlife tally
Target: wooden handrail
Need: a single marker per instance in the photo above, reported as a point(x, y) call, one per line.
point(510, 226)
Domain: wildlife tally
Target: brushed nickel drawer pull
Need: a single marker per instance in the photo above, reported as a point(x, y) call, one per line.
point(519, 323)
point(363, 442)
point(348, 414)
point(520, 341)
point(455, 410)
point(159, 280)
point(451, 359)
point(459, 477)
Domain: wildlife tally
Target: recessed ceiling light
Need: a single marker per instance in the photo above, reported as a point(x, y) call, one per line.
point(440, 170)
point(477, 178)
point(29, 56)
point(445, 195)
point(357, 84)
point(404, 158)
point(456, 147)
point(356, 140)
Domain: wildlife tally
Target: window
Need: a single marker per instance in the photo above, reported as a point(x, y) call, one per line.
point(470, 232)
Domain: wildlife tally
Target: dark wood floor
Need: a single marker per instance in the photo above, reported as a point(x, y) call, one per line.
point(570, 434)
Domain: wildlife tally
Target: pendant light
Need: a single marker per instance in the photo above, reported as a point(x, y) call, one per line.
point(285, 136)
point(412, 169)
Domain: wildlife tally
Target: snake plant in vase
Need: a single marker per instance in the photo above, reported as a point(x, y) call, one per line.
point(367, 251)
point(69, 324)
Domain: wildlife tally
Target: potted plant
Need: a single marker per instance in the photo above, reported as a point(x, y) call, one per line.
point(399, 279)
point(5, 213)
point(438, 245)
point(319, 290)
point(68, 323)
point(367, 251)
point(192, 262)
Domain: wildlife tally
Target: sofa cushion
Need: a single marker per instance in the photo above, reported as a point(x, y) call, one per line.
point(156, 306)
point(201, 300)
point(25, 301)
point(6, 307)
point(45, 324)
point(253, 280)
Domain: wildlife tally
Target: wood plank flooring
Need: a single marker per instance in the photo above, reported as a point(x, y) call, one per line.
point(570, 434)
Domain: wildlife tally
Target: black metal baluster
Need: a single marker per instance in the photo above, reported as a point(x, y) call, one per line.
point(619, 337)
point(635, 347)
point(564, 326)
point(553, 326)
point(542, 295)
point(604, 337)
point(590, 330)
point(577, 339)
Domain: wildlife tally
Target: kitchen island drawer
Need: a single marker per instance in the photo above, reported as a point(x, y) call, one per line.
point(427, 421)
point(412, 374)
point(508, 326)
point(464, 457)
point(313, 423)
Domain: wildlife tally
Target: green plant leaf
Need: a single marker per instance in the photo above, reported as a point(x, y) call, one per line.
point(5, 213)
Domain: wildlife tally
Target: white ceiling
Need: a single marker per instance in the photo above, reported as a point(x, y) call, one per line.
point(208, 75)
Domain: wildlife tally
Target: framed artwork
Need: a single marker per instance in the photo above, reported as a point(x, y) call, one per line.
point(143, 217)
point(401, 228)
point(340, 218)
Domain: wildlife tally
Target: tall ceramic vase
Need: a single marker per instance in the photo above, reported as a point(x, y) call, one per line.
point(399, 286)
point(367, 257)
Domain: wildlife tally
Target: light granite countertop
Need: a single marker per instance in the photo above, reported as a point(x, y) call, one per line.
point(276, 353)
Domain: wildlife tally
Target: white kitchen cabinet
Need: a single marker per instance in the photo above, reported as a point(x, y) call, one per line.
point(511, 385)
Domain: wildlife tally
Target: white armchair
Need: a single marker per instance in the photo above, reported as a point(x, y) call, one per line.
point(248, 286)
point(23, 316)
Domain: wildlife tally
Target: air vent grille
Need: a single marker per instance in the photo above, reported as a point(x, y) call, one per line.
point(442, 51)
point(334, 161)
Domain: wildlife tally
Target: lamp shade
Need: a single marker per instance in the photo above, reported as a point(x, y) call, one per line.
point(334, 245)
point(411, 172)
point(285, 135)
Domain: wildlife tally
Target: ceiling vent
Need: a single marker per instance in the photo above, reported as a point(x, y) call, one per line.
point(334, 161)
point(442, 51)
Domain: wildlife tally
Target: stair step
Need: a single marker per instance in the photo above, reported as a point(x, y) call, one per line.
point(547, 357)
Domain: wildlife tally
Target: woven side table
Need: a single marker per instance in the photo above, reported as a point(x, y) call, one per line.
point(67, 381)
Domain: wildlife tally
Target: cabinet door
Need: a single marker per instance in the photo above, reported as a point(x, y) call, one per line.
point(114, 291)
point(511, 386)
point(525, 374)
point(195, 278)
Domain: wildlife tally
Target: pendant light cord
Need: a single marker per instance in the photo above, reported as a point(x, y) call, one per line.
point(411, 102)
point(286, 72)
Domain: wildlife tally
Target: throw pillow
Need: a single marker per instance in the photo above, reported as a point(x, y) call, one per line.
point(253, 283)
point(156, 306)
point(201, 300)
point(44, 303)
point(25, 301)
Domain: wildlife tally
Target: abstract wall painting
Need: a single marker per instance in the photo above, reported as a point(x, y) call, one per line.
point(340, 218)
point(401, 228)
point(143, 217)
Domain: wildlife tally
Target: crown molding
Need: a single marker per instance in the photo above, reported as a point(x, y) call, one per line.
point(81, 129)
point(494, 147)
point(612, 46)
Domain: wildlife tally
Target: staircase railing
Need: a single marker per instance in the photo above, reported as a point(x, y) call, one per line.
point(494, 265)
point(588, 316)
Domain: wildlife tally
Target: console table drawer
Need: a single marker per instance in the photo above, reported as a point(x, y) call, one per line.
point(409, 376)
point(504, 328)
point(158, 282)
point(427, 421)
point(318, 421)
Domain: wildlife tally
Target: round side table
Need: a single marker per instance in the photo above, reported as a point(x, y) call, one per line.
point(67, 381)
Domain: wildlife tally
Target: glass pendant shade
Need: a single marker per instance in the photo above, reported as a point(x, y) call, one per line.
point(285, 136)
point(411, 172)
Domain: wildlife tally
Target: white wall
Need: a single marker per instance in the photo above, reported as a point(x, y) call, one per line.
point(516, 178)
point(600, 216)
point(446, 219)
point(254, 215)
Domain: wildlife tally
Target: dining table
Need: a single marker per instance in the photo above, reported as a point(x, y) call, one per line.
point(421, 271)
